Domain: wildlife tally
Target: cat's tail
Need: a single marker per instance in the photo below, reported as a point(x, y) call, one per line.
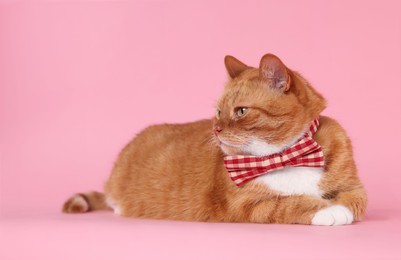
point(84, 202)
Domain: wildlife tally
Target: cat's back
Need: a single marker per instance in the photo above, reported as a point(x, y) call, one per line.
point(163, 132)
point(160, 143)
point(163, 137)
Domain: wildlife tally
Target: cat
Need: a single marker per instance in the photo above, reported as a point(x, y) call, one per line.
point(178, 172)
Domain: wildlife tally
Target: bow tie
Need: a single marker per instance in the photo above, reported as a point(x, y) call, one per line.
point(304, 153)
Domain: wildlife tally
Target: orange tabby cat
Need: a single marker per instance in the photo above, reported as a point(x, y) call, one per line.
point(177, 171)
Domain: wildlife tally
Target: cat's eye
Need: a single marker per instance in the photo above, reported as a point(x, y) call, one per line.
point(241, 111)
point(218, 112)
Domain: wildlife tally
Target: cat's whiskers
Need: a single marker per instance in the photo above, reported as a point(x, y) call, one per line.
point(211, 140)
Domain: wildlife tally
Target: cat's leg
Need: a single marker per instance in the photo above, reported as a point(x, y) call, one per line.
point(345, 192)
point(355, 200)
point(348, 206)
point(300, 209)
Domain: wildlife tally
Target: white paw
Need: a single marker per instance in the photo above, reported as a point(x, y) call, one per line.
point(333, 216)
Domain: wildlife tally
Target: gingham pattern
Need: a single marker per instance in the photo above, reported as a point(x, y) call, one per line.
point(305, 152)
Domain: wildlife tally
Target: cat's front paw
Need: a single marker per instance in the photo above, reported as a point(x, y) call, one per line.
point(333, 216)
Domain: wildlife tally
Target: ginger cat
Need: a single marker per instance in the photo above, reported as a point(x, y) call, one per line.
point(177, 171)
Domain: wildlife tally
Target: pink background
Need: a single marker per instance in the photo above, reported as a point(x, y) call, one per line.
point(79, 79)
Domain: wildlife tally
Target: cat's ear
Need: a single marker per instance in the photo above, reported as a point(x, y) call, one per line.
point(273, 70)
point(234, 66)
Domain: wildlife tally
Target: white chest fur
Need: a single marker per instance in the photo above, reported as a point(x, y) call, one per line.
point(294, 181)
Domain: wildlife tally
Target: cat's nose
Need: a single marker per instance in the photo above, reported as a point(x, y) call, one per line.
point(217, 129)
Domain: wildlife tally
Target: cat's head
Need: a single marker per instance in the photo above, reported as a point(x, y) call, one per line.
point(263, 110)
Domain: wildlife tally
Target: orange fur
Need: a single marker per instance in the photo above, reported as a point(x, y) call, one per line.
point(176, 171)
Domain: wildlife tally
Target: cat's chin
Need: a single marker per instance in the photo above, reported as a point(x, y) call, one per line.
point(230, 150)
point(255, 147)
point(262, 148)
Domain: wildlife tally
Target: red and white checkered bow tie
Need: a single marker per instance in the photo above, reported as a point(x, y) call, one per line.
point(304, 153)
